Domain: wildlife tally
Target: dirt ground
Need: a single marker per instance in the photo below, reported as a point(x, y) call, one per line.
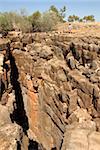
point(91, 28)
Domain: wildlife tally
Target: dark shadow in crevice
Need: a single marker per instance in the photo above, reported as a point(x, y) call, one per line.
point(54, 148)
point(94, 100)
point(2, 88)
point(19, 113)
point(33, 145)
point(60, 97)
point(61, 143)
point(18, 145)
point(74, 51)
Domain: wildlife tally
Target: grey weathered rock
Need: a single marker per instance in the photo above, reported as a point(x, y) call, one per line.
point(98, 72)
point(71, 62)
point(93, 79)
point(94, 65)
point(46, 53)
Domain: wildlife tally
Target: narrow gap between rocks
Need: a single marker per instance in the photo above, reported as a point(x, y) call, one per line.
point(19, 114)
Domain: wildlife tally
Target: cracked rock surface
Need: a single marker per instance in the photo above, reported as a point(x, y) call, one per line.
point(50, 91)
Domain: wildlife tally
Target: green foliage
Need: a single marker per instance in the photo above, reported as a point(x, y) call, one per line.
point(61, 14)
point(34, 19)
point(80, 20)
point(44, 21)
point(70, 19)
point(73, 18)
point(89, 18)
point(24, 24)
point(5, 22)
point(11, 21)
point(47, 21)
point(54, 9)
point(37, 21)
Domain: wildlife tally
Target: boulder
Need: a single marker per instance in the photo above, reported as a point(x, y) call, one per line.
point(46, 53)
point(71, 62)
point(80, 139)
point(10, 136)
point(94, 65)
point(80, 82)
point(72, 101)
point(86, 99)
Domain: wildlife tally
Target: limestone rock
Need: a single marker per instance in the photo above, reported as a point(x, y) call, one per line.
point(81, 139)
point(4, 115)
point(86, 99)
point(10, 136)
point(53, 84)
point(94, 65)
point(72, 101)
point(46, 53)
point(80, 82)
point(82, 114)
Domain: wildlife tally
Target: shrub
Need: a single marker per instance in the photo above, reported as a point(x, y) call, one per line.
point(20, 22)
point(61, 14)
point(89, 18)
point(33, 19)
point(13, 21)
point(5, 22)
point(23, 24)
point(47, 21)
point(36, 22)
point(73, 18)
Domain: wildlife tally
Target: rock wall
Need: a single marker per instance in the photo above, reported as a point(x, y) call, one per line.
point(51, 91)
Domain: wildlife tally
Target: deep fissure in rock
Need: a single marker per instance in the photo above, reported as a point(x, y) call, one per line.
point(33, 145)
point(18, 145)
point(19, 114)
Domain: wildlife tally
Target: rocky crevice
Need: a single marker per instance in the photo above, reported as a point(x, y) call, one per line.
point(19, 114)
point(54, 81)
point(15, 109)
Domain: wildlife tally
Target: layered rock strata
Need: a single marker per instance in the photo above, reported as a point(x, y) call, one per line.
point(50, 93)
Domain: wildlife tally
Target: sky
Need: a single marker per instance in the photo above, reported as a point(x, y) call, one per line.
point(77, 7)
